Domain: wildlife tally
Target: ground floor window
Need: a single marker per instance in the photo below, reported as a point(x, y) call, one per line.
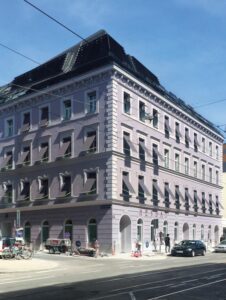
point(45, 231)
point(68, 230)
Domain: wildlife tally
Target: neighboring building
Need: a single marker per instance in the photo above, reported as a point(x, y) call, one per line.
point(224, 192)
point(93, 147)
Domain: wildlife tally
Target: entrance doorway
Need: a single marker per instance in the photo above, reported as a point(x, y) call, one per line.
point(125, 233)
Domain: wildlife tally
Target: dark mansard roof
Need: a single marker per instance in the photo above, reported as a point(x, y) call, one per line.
point(97, 50)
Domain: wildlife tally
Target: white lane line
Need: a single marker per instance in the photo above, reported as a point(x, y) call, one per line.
point(160, 272)
point(28, 279)
point(132, 296)
point(188, 289)
point(186, 281)
point(214, 276)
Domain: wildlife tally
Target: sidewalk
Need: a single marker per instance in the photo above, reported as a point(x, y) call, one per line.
point(25, 265)
point(145, 256)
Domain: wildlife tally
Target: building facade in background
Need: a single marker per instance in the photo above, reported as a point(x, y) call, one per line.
point(224, 192)
point(93, 147)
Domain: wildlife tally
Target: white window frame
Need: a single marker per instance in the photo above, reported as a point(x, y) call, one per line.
point(7, 127)
point(87, 101)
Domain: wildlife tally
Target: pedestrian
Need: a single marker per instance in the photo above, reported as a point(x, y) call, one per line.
point(167, 243)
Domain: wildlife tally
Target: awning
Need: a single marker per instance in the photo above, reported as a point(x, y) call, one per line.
point(88, 142)
point(196, 140)
point(155, 183)
point(23, 157)
point(170, 192)
point(167, 126)
point(42, 152)
point(187, 135)
point(143, 186)
point(178, 132)
point(128, 184)
point(6, 160)
point(126, 137)
point(64, 148)
point(25, 127)
point(142, 144)
point(88, 186)
point(155, 149)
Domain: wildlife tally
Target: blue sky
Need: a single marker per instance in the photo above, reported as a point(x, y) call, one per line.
point(183, 42)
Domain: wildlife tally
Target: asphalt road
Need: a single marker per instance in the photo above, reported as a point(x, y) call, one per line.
point(104, 278)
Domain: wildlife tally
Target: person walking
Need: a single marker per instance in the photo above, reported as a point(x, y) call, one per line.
point(167, 243)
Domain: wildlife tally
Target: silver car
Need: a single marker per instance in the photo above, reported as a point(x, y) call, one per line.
point(221, 247)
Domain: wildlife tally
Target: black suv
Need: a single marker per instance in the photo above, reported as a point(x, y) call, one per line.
point(189, 248)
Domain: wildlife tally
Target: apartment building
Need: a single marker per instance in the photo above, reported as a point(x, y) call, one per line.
point(224, 192)
point(94, 147)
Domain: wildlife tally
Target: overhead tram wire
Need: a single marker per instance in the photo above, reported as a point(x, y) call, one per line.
point(56, 21)
point(19, 53)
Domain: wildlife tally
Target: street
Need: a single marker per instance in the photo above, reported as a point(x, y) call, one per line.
point(112, 278)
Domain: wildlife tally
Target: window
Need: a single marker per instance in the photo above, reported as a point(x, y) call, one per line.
point(8, 161)
point(210, 149)
point(194, 232)
point(155, 118)
point(166, 158)
point(177, 162)
point(141, 149)
point(26, 122)
point(203, 172)
point(177, 197)
point(68, 229)
point(210, 204)
point(166, 195)
point(177, 132)
point(141, 188)
point(126, 144)
point(203, 202)
point(90, 142)
point(9, 130)
point(44, 152)
point(25, 190)
point(43, 188)
point(195, 169)
point(25, 157)
point(217, 206)
point(155, 154)
point(44, 116)
point(195, 201)
point(66, 109)
point(65, 185)
point(142, 111)
point(176, 231)
point(186, 166)
point(65, 149)
point(126, 102)
point(167, 127)
point(217, 177)
point(187, 138)
point(155, 192)
point(186, 199)
point(203, 145)
point(90, 185)
point(196, 143)
point(210, 175)
point(217, 152)
point(91, 102)
point(8, 195)
point(202, 232)
point(126, 186)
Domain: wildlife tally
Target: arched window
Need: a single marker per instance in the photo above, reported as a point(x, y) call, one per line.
point(165, 228)
point(154, 226)
point(27, 232)
point(68, 230)
point(45, 231)
point(202, 232)
point(209, 234)
point(92, 231)
point(176, 231)
point(194, 232)
point(139, 230)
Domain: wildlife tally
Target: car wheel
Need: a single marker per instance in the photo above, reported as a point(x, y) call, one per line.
point(203, 252)
point(192, 253)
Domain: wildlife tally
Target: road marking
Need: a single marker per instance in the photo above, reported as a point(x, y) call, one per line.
point(214, 276)
point(132, 296)
point(191, 280)
point(28, 279)
point(188, 289)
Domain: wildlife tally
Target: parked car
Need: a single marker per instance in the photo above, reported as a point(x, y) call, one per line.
point(189, 248)
point(58, 245)
point(221, 247)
